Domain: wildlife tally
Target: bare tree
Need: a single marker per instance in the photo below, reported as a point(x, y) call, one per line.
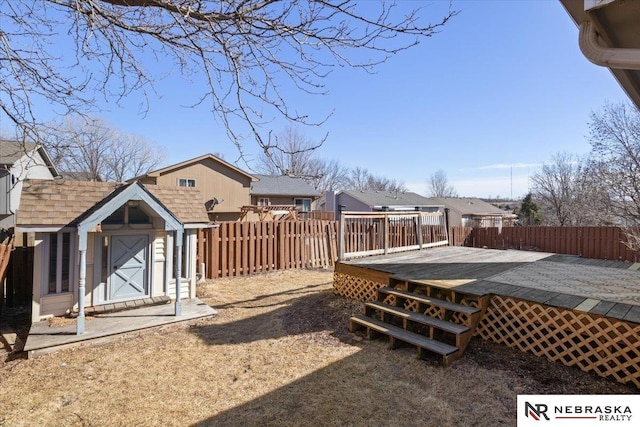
point(132, 155)
point(439, 185)
point(249, 53)
point(81, 145)
point(361, 179)
point(92, 146)
point(329, 175)
point(615, 142)
point(569, 192)
point(294, 156)
point(358, 179)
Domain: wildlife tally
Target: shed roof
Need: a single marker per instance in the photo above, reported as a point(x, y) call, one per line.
point(284, 185)
point(468, 205)
point(61, 202)
point(386, 198)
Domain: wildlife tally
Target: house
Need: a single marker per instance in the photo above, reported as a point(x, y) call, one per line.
point(609, 37)
point(224, 187)
point(20, 161)
point(283, 192)
point(472, 212)
point(375, 201)
point(98, 243)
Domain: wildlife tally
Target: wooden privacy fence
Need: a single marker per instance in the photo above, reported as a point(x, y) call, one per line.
point(588, 242)
point(244, 248)
point(5, 255)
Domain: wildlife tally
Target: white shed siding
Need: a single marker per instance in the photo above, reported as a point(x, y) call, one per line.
point(159, 246)
point(55, 305)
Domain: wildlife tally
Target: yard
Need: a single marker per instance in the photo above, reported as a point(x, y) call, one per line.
point(277, 353)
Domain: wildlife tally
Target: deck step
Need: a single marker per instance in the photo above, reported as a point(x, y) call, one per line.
point(403, 335)
point(442, 325)
point(459, 308)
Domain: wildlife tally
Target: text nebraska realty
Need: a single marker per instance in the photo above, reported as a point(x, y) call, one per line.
point(601, 413)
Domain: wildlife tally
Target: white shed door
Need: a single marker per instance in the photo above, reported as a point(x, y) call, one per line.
point(128, 267)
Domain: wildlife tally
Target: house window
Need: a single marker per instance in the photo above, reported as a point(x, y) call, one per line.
point(186, 182)
point(264, 201)
point(59, 272)
point(303, 205)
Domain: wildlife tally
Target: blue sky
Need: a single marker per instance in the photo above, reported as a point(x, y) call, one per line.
point(502, 88)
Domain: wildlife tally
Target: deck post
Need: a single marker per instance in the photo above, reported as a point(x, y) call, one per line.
point(419, 226)
point(386, 233)
point(446, 225)
point(341, 242)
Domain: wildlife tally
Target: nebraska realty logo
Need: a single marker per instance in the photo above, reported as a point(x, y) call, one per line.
point(578, 410)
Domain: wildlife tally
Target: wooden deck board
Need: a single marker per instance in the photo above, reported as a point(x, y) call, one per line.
point(633, 315)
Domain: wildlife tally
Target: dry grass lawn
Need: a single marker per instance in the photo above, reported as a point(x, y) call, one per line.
point(277, 353)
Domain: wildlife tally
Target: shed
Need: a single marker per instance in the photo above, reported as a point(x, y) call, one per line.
point(100, 243)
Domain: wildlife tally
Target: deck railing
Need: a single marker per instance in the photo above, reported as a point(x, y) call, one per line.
point(377, 233)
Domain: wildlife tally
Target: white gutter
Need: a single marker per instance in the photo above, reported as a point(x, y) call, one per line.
point(622, 58)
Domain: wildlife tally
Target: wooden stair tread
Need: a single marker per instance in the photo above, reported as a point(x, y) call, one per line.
point(406, 336)
point(468, 289)
point(451, 327)
point(429, 300)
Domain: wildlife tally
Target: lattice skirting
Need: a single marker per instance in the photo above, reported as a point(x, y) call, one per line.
point(608, 347)
point(355, 287)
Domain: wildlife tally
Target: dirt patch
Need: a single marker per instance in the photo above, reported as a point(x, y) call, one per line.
point(277, 353)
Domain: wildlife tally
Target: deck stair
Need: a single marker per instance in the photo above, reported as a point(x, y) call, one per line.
point(436, 320)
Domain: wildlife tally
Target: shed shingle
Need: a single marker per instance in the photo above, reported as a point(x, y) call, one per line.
point(60, 202)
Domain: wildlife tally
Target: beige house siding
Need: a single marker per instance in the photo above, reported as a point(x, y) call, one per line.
point(213, 180)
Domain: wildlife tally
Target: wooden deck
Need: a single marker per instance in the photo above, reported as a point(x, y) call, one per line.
point(605, 288)
point(579, 312)
point(44, 339)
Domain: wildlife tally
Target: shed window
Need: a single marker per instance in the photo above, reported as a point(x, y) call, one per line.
point(60, 261)
point(264, 201)
point(186, 182)
point(129, 213)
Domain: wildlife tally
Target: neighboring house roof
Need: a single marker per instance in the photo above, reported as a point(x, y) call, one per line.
point(77, 176)
point(378, 199)
point(608, 33)
point(170, 168)
point(282, 186)
point(468, 206)
point(61, 202)
point(12, 151)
